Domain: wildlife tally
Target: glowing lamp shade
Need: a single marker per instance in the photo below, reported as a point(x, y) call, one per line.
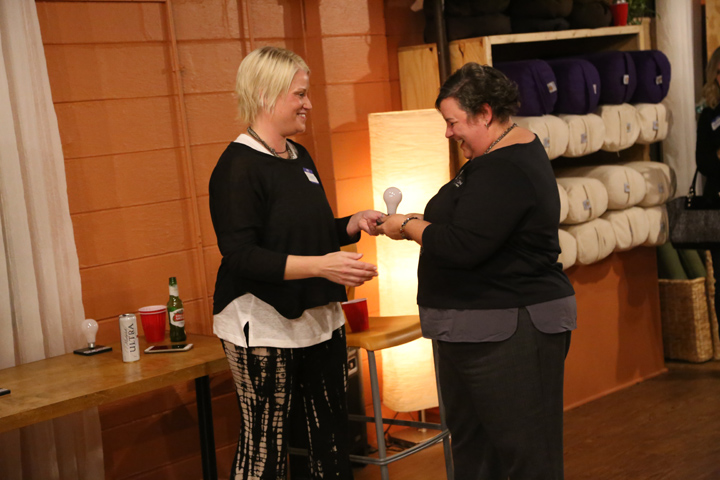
point(409, 151)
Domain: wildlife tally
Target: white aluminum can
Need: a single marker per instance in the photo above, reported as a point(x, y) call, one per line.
point(129, 337)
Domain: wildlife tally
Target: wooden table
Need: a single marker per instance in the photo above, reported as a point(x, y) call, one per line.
point(69, 383)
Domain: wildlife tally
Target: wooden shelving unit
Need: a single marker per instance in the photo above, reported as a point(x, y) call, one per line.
point(418, 67)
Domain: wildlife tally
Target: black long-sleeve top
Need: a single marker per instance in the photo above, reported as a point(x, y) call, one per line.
point(708, 143)
point(263, 209)
point(493, 239)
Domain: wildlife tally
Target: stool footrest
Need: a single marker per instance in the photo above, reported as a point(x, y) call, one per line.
point(400, 455)
point(393, 421)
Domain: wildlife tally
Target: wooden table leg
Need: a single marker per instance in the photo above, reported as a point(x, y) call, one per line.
point(205, 426)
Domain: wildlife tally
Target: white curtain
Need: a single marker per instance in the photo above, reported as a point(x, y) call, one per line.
point(40, 295)
point(677, 38)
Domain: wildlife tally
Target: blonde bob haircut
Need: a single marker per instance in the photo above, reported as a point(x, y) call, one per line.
point(264, 75)
point(711, 89)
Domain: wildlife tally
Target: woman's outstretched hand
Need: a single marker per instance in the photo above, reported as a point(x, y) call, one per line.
point(346, 268)
point(366, 221)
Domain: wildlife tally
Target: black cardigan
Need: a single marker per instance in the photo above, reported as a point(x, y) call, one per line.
point(708, 143)
point(493, 238)
point(263, 209)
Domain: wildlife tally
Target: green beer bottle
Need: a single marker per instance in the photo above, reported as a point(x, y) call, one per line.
point(176, 313)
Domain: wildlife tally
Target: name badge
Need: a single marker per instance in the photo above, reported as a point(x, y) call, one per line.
point(583, 138)
point(626, 187)
point(586, 204)
point(552, 88)
point(311, 176)
point(656, 126)
point(715, 123)
point(658, 80)
point(626, 79)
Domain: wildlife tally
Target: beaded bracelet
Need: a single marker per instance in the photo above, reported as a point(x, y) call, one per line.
point(402, 227)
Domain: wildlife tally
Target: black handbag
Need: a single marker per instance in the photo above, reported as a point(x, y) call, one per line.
point(694, 220)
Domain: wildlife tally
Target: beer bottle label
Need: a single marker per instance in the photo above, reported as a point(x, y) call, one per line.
point(177, 317)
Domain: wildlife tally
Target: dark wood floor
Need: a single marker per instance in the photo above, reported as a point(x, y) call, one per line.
point(666, 428)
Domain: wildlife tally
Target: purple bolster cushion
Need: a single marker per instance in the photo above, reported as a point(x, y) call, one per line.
point(617, 76)
point(653, 76)
point(536, 83)
point(578, 84)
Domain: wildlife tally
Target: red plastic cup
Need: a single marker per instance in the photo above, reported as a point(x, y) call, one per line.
point(153, 320)
point(619, 14)
point(356, 313)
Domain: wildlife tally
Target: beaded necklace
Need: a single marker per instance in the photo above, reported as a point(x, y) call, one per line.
point(291, 154)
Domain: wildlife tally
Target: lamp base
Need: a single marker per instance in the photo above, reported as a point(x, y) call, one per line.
point(408, 437)
point(87, 351)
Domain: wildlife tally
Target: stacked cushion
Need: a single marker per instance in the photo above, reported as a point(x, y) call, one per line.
point(536, 84)
point(457, 28)
point(529, 25)
point(586, 134)
point(578, 83)
point(540, 8)
point(587, 199)
point(617, 76)
point(659, 182)
point(653, 76)
point(658, 221)
point(590, 14)
point(563, 203)
point(473, 8)
point(551, 130)
point(631, 227)
point(653, 120)
point(625, 186)
point(568, 249)
point(595, 240)
point(621, 126)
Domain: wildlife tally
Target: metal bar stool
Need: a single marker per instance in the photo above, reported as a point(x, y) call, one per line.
point(386, 332)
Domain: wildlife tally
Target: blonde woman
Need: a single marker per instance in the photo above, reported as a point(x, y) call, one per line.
point(281, 280)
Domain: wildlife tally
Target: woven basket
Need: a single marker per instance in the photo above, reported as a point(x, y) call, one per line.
point(685, 322)
point(712, 313)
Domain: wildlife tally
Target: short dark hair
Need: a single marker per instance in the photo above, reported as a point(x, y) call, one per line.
point(475, 85)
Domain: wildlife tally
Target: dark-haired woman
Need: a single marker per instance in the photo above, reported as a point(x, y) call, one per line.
point(490, 289)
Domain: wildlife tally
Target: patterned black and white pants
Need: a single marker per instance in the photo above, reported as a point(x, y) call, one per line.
point(268, 381)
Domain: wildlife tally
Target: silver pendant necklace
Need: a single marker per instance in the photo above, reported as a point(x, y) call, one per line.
point(500, 138)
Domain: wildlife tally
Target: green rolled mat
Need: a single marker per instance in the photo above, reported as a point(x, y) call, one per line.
point(669, 265)
point(692, 263)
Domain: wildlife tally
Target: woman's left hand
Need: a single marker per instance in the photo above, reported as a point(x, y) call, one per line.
point(365, 221)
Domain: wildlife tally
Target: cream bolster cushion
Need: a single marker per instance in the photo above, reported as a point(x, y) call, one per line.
point(654, 122)
point(563, 203)
point(552, 132)
point(586, 134)
point(625, 186)
point(621, 126)
point(660, 182)
point(568, 249)
point(631, 227)
point(659, 226)
point(595, 240)
point(587, 199)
